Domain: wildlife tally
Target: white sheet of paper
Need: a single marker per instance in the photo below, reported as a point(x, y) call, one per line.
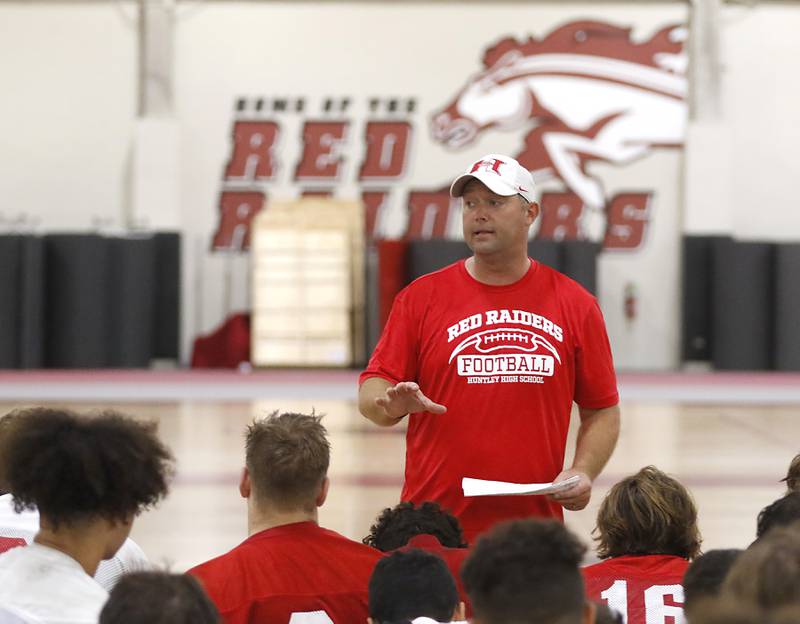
point(482, 487)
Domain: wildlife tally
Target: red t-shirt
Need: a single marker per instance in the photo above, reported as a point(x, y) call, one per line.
point(298, 573)
point(507, 362)
point(453, 557)
point(645, 588)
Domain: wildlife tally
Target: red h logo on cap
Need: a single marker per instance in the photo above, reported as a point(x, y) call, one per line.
point(493, 164)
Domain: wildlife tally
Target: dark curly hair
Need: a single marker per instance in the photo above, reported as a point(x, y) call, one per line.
point(526, 571)
point(74, 467)
point(396, 525)
point(648, 513)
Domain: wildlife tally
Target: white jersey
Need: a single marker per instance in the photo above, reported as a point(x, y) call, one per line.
point(42, 584)
point(18, 529)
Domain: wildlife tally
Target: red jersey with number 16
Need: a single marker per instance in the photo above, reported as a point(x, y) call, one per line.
point(292, 574)
point(507, 362)
point(645, 588)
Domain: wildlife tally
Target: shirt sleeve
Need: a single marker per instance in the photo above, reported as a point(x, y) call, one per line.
point(129, 558)
point(595, 379)
point(395, 355)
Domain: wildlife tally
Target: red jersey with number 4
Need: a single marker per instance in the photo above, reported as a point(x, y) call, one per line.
point(292, 574)
point(646, 589)
point(507, 362)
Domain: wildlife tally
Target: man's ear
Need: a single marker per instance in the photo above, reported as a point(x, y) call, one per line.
point(369, 621)
point(459, 615)
point(245, 487)
point(589, 612)
point(323, 492)
point(533, 211)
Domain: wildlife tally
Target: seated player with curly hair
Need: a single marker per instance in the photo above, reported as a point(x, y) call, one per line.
point(89, 477)
point(398, 526)
point(428, 527)
point(527, 572)
point(646, 533)
point(18, 528)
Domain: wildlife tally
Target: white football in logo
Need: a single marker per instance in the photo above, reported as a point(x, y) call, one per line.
point(505, 338)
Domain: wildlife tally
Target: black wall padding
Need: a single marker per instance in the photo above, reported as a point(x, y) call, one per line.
point(579, 261)
point(32, 303)
point(131, 300)
point(547, 252)
point(743, 306)
point(167, 295)
point(787, 307)
point(78, 281)
point(575, 258)
point(425, 256)
point(698, 287)
point(9, 304)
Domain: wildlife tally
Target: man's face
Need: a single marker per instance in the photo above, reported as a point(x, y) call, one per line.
point(495, 223)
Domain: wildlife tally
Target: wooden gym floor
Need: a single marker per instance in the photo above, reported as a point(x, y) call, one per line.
point(728, 437)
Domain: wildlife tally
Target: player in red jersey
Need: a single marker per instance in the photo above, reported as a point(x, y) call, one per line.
point(487, 356)
point(290, 570)
point(647, 533)
point(427, 527)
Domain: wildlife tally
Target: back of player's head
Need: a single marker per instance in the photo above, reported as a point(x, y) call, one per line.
point(396, 525)
point(792, 477)
point(704, 576)
point(411, 584)
point(648, 513)
point(526, 571)
point(731, 611)
point(767, 574)
point(725, 610)
point(76, 468)
point(782, 512)
point(158, 598)
point(287, 456)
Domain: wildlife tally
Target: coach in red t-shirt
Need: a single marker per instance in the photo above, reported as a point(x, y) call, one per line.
point(290, 570)
point(487, 356)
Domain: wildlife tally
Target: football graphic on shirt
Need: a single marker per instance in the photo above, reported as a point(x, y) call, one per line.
point(505, 338)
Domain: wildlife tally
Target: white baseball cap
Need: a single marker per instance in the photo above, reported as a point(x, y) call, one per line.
point(501, 174)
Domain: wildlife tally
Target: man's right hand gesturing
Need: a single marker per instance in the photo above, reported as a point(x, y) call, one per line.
point(407, 398)
point(386, 405)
